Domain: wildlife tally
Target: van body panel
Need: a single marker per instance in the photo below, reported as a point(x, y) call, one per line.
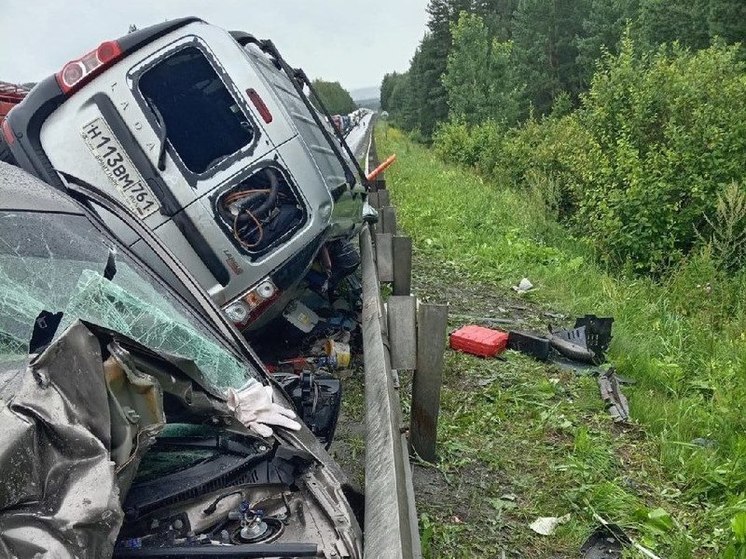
point(191, 129)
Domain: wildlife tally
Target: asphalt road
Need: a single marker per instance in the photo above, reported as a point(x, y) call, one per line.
point(357, 139)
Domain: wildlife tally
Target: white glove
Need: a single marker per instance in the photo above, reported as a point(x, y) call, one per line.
point(252, 405)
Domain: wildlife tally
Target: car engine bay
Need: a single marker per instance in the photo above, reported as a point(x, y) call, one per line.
point(261, 211)
point(202, 489)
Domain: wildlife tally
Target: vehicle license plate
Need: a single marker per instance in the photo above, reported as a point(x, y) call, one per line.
point(119, 167)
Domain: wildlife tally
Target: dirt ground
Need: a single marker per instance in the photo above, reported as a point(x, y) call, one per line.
point(478, 502)
point(508, 435)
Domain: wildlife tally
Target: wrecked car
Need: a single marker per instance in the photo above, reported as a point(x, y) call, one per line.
point(125, 403)
point(212, 141)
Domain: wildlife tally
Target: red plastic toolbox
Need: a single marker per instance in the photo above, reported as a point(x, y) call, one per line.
point(478, 340)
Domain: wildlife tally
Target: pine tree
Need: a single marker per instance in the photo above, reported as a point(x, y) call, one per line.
point(497, 15)
point(387, 87)
point(602, 29)
point(667, 21)
point(546, 51)
point(480, 78)
point(429, 64)
point(727, 19)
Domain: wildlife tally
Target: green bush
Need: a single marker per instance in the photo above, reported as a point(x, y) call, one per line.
point(641, 167)
point(453, 142)
point(673, 127)
point(558, 151)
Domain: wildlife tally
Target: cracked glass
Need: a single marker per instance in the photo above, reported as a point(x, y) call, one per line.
point(56, 262)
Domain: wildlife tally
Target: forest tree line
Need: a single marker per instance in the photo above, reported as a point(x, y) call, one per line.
point(628, 115)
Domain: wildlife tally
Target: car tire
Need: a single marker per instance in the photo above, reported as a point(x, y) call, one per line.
point(5, 155)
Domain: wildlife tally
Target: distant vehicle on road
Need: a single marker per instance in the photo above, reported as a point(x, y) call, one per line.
point(211, 139)
point(10, 95)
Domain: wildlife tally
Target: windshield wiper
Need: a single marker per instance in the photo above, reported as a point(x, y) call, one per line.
point(162, 135)
point(207, 551)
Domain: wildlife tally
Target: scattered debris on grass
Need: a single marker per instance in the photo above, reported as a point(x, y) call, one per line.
point(546, 525)
point(611, 394)
point(537, 347)
point(524, 286)
point(604, 543)
point(623, 538)
point(478, 340)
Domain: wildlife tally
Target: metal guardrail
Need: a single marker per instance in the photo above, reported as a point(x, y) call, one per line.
point(391, 526)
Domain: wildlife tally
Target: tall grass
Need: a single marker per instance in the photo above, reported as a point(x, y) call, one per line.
point(682, 338)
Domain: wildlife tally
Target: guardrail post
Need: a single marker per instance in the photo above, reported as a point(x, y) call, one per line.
point(384, 256)
point(383, 198)
point(387, 217)
point(432, 321)
point(402, 256)
point(401, 313)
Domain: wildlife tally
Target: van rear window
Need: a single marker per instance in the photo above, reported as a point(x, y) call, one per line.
point(203, 121)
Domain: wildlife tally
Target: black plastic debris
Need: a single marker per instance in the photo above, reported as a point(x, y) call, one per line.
point(587, 342)
point(597, 332)
point(536, 346)
point(317, 396)
point(604, 543)
point(578, 368)
point(572, 344)
point(611, 393)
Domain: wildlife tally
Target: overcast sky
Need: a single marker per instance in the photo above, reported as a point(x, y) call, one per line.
point(354, 42)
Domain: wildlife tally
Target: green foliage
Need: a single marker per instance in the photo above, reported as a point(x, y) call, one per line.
point(387, 88)
point(727, 20)
point(641, 165)
point(399, 101)
point(669, 21)
point(546, 51)
point(603, 27)
point(418, 101)
point(737, 548)
point(480, 79)
point(556, 151)
point(554, 50)
point(471, 146)
point(672, 126)
point(726, 228)
point(682, 338)
point(335, 98)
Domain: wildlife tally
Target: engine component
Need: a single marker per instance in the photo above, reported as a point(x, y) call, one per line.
point(261, 211)
point(254, 526)
point(317, 397)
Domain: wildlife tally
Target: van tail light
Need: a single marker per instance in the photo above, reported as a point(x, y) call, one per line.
point(77, 73)
point(10, 137)
point(260, 105)
point(253, 303)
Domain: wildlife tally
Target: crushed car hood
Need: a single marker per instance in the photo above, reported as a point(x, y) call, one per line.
point(60, 492)
point(77, 421)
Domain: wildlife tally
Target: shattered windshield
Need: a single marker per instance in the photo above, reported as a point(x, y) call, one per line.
point(57, 262)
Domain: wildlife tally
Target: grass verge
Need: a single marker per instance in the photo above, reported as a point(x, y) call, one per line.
point(534, 434)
